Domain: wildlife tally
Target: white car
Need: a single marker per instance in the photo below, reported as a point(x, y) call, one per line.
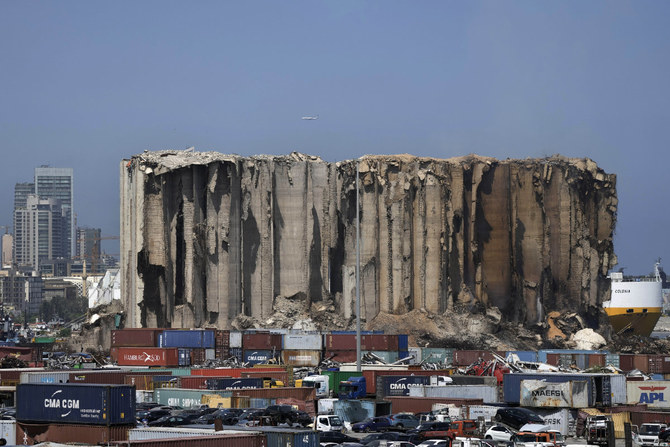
point(433, 443)
point(499, 433)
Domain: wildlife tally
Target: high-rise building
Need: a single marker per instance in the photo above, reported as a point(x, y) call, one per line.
point(21, 193)
point(20, 292)
point(40, 232)
point(58, 183)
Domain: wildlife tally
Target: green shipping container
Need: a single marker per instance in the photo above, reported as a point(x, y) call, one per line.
point(335, 377)
point(45, 340)
point(184, 398)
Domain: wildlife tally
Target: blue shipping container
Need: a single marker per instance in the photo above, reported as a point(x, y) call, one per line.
point(255, 357)
point(403, 342)
point(524, 356)
point(236, 353)
point(76, 403)
point(186, 339)
point(184, 357)
point(234, 383)
point(399, 385)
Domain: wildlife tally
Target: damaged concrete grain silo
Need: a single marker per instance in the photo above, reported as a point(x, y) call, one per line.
point(207, 236)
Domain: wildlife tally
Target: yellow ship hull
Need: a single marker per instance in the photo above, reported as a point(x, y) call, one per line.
point(636, 320)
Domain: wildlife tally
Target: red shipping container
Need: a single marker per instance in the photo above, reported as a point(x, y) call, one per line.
point(626, 362)
point(596, 360)
point(261, 340)
point(641, 362)
point(221, 339)
point(147, 356)
point(347, 356)
point(198, 356)
point(31, 434)
point(222, 353)
point(137, 337)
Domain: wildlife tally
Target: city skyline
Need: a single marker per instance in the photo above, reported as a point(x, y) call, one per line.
point(88, 86)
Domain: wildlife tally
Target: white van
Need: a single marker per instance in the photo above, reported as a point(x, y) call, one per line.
point(328, 422)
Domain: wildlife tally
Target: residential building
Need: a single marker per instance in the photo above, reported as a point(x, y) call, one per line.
point(88, 248)
point(58, 183)
point(20, 292)
point(40, 232)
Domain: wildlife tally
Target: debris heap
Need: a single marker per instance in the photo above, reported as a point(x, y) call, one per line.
point(207, 237)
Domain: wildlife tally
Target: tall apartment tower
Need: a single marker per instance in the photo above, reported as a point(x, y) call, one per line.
point(40, 232)
point(58, 183)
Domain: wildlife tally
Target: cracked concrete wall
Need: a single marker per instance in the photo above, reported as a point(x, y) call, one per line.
point(208, 236)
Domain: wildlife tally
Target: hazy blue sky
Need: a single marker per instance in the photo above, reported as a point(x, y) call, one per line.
point(84, 84)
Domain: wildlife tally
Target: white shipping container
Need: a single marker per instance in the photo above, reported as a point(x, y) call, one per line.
point(235, 339)
point(487, 412)
point(487, 393)
point(210, 354)
point(8, 432)
point(45, 377)
point(325, 406)
point(619, 391)
point(560, 420)
point(142, 396)
point(303, 342)
point(539, 393)
point(654, 394)
point(454, 411)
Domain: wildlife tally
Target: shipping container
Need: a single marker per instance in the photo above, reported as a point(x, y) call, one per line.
point(197, 356)
point(230, 372)
point(604, 389)
point(261, 341)
point(221, 338)
point(371, 342)
point(557, 419)
point(148, 356)
point(233, 383)
point(325, 406)
point(136, 337)
point(304, 394)
point(487, 412)
point(264, 374)
point(659, 364)
point(626, 362)
point(385, 356)
point(236, 353)
point(31, 434)
point(115, 377)
point(612, 359)
point(371, 376)
point(303, 342)
point(222, 353)
point(76, 403)
point(210, 354)
point(595, 360)
point(438, 355)
point(253, 357)
point(235, 338)
point(171, 338)
point(538, 393)
point(468, 357)
point(301, 357)
point(45, 377)
point(403, 342)
point(20, 352)
point(142, 396)
point(347, 356)
point(196, 382)
point(398, 385)
point(220, 439)
point(487, 393)
point(654, 394)
point(647, 417)
point(407, 404)
point(463, 379)
point(416, 355)
point(184, 398)
point(154, 433)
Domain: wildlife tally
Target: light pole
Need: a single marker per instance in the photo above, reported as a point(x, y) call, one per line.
point(358, 275)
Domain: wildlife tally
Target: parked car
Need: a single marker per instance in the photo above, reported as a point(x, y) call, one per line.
point(499, 433)
point(228, 416)
point(336, 437)
point(380, 423)
point(517, 417)
point(432, 430)
point(404, 420)
point(169, 421)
